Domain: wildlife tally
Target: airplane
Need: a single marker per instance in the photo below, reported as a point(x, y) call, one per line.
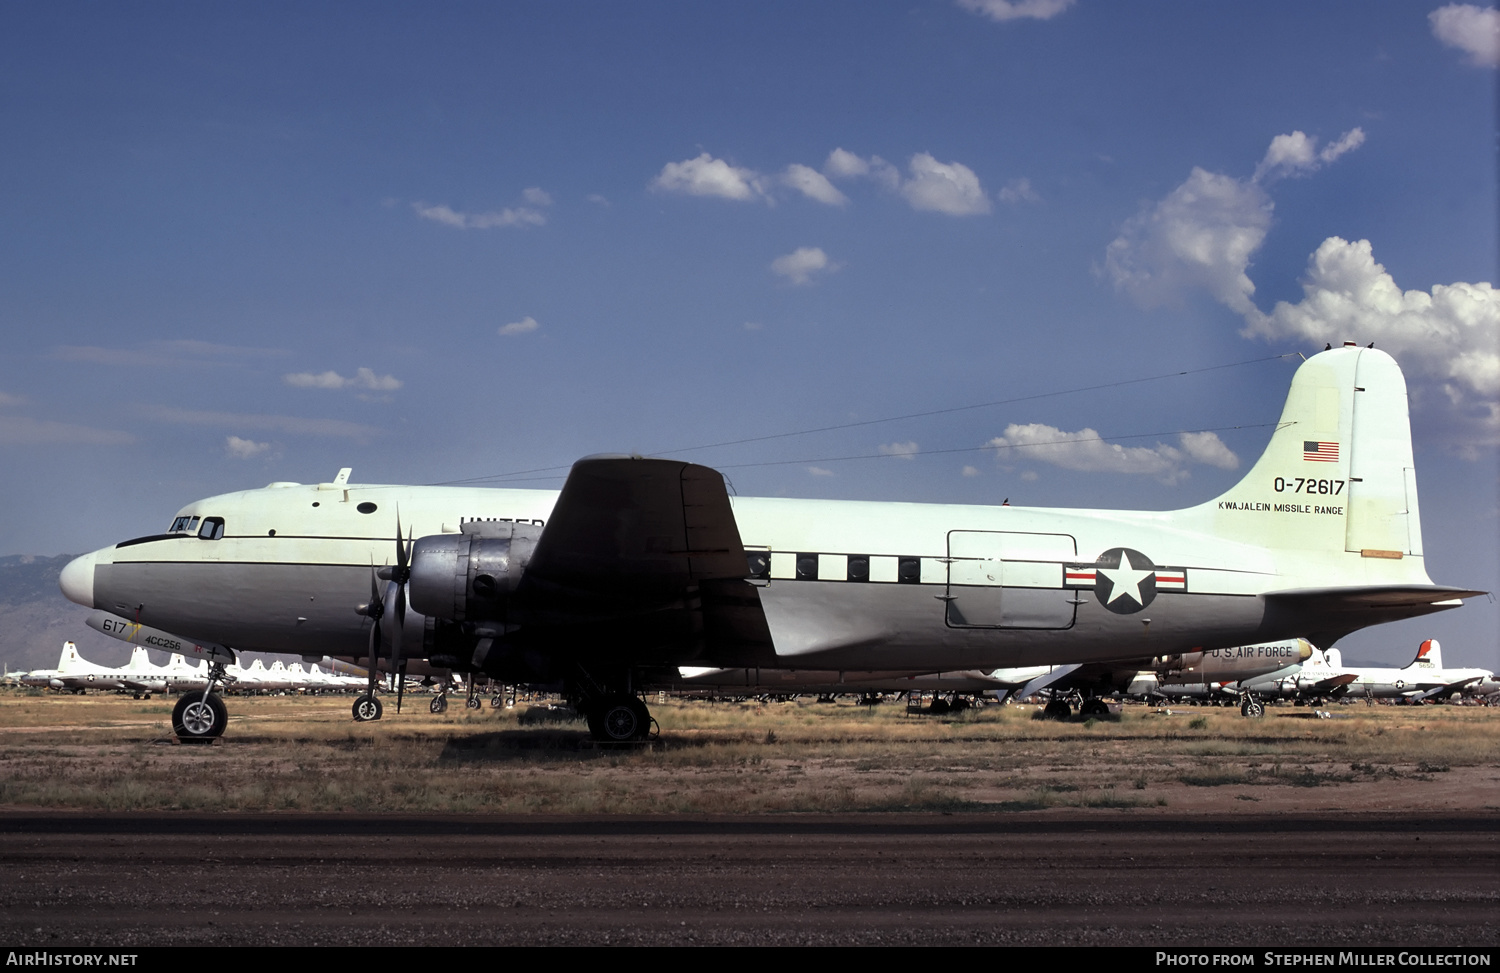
point(639, 566)
point(1221, 669)
point(74, 673)
point(1423, 678)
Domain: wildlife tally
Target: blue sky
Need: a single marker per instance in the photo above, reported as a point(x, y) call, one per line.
point(255, 242)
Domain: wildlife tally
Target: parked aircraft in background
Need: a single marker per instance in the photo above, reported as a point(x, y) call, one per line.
point(640, 566)
point(1424, 677)
point(74, 673)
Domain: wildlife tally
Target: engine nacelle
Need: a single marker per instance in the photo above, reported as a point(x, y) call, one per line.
point(471, 575)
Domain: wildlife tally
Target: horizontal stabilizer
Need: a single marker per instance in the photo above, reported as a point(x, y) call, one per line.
point(1325, 615)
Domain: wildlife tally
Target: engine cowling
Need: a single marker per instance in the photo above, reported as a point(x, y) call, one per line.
point(471, 575)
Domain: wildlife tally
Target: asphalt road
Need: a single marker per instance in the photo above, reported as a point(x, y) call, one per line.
point(1053, 878)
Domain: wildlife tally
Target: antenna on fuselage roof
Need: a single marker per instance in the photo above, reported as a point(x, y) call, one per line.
point(343, 478)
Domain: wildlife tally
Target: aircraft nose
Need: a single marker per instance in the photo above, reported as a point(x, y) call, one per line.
point(77, 580)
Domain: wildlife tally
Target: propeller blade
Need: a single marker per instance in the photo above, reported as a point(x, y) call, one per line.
point(374, 611)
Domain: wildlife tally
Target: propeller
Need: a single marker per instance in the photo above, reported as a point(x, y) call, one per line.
point(394, 598)
point(395, 595)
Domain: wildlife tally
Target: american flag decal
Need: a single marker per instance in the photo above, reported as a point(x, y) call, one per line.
point(1320, 452)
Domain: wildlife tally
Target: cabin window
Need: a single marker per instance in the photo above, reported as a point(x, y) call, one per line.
point(212, 529)
point(909, 570)
point(859, 567)
point(759, 564)
point(807, 567)
point(184, 525)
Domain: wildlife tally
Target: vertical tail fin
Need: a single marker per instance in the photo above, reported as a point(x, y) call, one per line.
point(1337, 476)
point(1429, 655)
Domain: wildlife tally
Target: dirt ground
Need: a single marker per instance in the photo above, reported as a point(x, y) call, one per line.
point(750, 824)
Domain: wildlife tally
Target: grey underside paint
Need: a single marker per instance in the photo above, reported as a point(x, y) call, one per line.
point(309, 609)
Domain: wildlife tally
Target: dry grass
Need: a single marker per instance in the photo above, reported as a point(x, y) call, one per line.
point(305, 754)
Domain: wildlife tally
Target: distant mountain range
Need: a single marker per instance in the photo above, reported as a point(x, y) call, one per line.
point(35, 618)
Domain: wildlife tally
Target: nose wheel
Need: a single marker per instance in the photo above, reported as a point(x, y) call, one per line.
point(199, 716)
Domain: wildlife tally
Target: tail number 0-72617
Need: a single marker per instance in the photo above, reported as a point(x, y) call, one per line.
point(1301, 484)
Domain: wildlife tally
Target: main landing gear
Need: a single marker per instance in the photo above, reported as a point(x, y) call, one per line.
point(618, 718)
point(1251, 707)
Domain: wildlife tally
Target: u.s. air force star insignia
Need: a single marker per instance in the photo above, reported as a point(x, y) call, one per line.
point(1125, 580)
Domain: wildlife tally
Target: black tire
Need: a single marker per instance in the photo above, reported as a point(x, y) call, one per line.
point(439, 704)
point(199, 717)
point(473, 702)
point(1058, 709)
point(367, 708)
point(1252, 709)
point(938, 706)
point(619, 719)
point(496, 702)
point(1094, 707)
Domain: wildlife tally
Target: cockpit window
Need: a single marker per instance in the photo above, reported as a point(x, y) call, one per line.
point(212, 529)
point(183, 525)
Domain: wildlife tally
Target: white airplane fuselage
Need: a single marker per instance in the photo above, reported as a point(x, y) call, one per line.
point(1327, 517)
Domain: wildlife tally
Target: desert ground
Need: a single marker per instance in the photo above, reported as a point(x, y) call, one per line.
point(749, 822)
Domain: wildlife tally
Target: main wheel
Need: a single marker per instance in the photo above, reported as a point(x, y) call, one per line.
point(620, 719)
point(1058, 709)
point(366, 708)
point(496, 702)
point(199, 717)
point(439, 704)
point(1094, 707)
point(472, 702)
point(1253, 708)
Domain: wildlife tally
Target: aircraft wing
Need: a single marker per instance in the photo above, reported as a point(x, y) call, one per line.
point(1449, 689)
point(1333, 685)
point(629, 536)
point(1329, 614)
point(628, 523)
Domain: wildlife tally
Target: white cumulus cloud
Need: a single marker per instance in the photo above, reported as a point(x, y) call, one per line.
point(1451, 333)
point(529, 215)
point(707, 176)
point(1207, 448)
point(801, 264)
point(1203, 234)
point(524, 326)
point(1087, 452)
point(813, 184)
point(363, 378)
point(1473, 30)
point(842, 164)
point(1003, 10)
point(907, 450)
point(244, 448)
point(950, 188)
point(1297, 154)
point(819, 471)
point(1018, 191)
